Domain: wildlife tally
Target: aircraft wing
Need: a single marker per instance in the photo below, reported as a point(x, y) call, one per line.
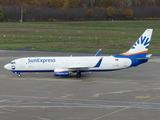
point(75, 68)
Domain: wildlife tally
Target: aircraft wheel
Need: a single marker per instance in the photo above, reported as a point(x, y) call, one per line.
point(78, 74)
point(19, 75)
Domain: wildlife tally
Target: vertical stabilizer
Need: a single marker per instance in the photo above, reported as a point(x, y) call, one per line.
point(141, 45)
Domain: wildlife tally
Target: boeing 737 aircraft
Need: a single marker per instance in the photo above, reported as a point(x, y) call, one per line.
point(64, 66)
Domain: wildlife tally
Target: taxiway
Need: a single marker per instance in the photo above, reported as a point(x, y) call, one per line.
point(129, 94)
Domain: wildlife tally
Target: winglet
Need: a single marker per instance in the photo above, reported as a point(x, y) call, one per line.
point(99, 62)
point(98, 52)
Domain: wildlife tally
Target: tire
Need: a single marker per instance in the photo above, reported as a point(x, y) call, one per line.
point(78, 74)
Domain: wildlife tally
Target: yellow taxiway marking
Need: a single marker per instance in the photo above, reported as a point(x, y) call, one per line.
point(124, 108)
point(143, 97)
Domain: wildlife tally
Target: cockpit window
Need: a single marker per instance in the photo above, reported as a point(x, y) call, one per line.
point(13, 62)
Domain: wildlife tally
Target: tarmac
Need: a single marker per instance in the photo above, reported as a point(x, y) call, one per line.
point(129, 94)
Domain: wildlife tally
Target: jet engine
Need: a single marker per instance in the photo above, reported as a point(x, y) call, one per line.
point(61, 72)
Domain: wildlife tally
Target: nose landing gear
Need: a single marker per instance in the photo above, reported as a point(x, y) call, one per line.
point(18, 73)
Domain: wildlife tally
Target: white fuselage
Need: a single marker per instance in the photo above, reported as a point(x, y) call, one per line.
point(44, 64)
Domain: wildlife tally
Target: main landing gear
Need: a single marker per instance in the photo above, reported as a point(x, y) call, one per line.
point(78, 74)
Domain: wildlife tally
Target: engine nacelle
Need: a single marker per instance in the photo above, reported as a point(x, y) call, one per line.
point(61, 72)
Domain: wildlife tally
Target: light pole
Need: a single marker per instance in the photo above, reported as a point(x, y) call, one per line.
point(21, 14)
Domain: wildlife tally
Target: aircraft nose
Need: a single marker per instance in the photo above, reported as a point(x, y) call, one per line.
point(6, 66)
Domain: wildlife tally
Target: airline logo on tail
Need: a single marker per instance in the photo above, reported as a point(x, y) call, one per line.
point(141, 45)
point(142, 42)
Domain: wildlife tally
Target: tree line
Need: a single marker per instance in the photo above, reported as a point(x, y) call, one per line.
point(78, 10)
point(80, 3)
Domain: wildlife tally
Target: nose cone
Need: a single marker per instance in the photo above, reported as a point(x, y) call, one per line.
point(6, 66)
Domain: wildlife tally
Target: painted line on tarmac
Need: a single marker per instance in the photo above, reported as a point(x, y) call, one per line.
point(17, 103)
point(143, 97)
point(124, 108)
point(87, 100)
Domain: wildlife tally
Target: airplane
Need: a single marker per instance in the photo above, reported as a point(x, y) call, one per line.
point(65, 66)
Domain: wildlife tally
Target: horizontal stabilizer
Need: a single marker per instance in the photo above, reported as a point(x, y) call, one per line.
point(149, 55)
point(146, 58)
